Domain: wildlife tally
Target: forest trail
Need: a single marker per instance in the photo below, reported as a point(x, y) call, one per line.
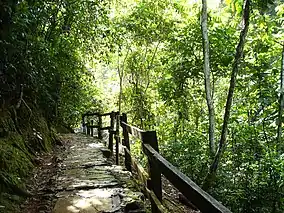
point(80, 179)
point(89, 183)
point(200, 82)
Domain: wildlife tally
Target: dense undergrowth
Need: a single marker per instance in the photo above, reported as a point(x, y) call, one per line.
point(44, 81)
point(23, 136)
point(147, 56)
point(160, 63)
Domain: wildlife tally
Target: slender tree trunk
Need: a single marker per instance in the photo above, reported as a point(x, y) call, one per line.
point(7, 10)
point(281, 100)
point(209, 179)
point(120, 75)
point(120, 71)
point(207, 83)
point(120, 93)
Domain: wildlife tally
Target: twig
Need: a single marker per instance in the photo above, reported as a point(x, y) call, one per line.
point(31, 112)
point(282, 44)
point(21, 97)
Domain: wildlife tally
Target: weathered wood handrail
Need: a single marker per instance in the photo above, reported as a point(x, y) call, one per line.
point(112, 132)
point(159, 165)
point(97, 114)
point(132, 130)
point(189, 189)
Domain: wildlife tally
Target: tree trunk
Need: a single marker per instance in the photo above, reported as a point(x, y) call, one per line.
point(281, 100)
point(209, 179)
point(121, 75)
point(7, 10)
point(209, 97)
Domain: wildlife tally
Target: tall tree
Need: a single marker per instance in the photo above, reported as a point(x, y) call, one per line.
point(209, 179)
point(209, 94)
point(281, 99)
point(120, 70)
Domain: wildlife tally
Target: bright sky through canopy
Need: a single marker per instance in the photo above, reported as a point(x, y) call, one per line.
point(211, 3)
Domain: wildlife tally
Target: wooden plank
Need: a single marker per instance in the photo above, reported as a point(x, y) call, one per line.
point(150, 138)
point(143, 177)
point(99, 128)
point(117, 138)
point(111, 133)
point(84, 124)
point(88, 129)
point(96, 114)
point(94, 126)
point(92, 129)
point(110, 143)
point(153, 198)
point(136, 132)
point(202, 200)
point(106, 128)
point(126, 143)
point(105, 114)
point(91, 114)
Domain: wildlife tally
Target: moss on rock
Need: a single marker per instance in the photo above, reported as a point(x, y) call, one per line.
point(20, 141)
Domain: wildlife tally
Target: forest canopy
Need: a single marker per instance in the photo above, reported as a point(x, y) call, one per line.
point(208, 76)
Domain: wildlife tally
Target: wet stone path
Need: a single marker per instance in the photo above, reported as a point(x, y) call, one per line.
point(89, 183)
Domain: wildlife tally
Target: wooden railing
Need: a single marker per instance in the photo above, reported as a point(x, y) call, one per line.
point(157, 166)
point(88, 128)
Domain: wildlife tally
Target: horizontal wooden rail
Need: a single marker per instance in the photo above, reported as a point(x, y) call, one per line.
point(106, 128)
point(159, 165)
point(202, 200)
point(98, 114)
point(138, 133)
point(106, 114)
point(93, 126)
point(91, 114)
point(143, 178)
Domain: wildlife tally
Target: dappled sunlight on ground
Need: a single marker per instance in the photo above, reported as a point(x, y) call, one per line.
point(96, 145)
point(89, 183)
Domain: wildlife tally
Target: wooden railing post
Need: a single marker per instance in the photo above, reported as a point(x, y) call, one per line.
point(100, 127)
point(110, 139)
point(117, 139)
point(156, 163)
point(150, 137)
point(88, 128)
point(92, 128)
point(126, 143)
point(83, 124)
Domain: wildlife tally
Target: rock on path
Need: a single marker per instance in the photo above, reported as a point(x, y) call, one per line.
point(89, 183)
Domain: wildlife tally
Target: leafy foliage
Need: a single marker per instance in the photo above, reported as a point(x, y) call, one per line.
point(170, 96)
point(44, 80)
point(54, 51)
